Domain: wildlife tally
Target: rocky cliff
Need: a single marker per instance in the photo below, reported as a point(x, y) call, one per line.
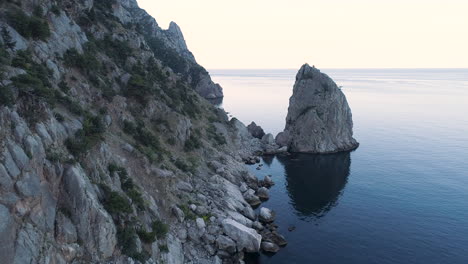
point(319, 119)
point(108, 151)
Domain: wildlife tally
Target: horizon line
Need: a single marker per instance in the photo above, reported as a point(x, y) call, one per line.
point(338, 68)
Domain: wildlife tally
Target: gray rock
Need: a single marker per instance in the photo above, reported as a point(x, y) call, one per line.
point(185, 187)
point(5, 181)
point(256, 131)
point(48, 206)
point(319, 119)
point(200, 223)
point(282, 139)
point(29, 185)
point(98, 231)
point(251, 198)
point(182, 234)
point(257, 225)
point(27, 250)
point(7, 233)
point(10, 165)
point(274, 237)
point(245, 237)
point(270, 247)
point(178, 213)
point(267, 181)
point(66, 230)
point(243, 187)
point(176, 253)
point(249, 213)
point(268, 139)
point(262, 193)
point(266, 215)
point(18, 154)
point(226, 244)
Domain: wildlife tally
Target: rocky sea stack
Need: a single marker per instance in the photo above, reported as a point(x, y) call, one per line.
point(319, 119)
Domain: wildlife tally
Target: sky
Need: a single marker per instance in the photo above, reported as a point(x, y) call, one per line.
point(265, 34)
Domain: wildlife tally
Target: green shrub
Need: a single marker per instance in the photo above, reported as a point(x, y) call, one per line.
point(160, 229)
point(87, 137)
point(86, 62)
point(192, 143)
point(116, 203)
point(29, 27)
point(146, 237)
point(55, 9)
point(138, 88)
point(6, 96)
point(187, 212)
point(54, 155)
point(163, 248)
point(36, 79)
point(218, 138)
point(126, 239)
point(59, 117)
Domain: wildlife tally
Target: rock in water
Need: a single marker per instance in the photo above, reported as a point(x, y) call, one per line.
point(319, 119)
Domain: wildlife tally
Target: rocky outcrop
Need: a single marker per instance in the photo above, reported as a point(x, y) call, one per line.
point(108, 152)
point(170, 41)
point(255, 130)
point(319, 119)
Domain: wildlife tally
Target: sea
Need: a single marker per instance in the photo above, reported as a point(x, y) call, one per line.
point(401, 197)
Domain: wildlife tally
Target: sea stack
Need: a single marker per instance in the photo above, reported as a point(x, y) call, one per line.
point(319, 119)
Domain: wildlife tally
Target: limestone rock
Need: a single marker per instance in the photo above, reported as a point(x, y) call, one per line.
point(245, 237)
point(319, 119)
point(270, 247)
point(255, 130)
point(266, 215)
point(225, 243)
point(262, 193)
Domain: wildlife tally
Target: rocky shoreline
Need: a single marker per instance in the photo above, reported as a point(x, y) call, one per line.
point(109, 149)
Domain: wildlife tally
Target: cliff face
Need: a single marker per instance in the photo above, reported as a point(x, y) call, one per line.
point(107, 152)
point(319, 119)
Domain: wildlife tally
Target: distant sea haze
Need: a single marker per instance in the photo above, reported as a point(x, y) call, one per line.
point(401, 197)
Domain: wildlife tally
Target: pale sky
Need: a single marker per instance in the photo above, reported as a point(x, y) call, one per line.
point(265, 34)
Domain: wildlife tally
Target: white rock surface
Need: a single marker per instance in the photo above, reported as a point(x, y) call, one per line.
point(245, 237)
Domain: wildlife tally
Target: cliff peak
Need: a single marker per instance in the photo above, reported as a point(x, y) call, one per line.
point(319, 119)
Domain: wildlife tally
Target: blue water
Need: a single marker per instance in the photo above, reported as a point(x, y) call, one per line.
point(401, 197)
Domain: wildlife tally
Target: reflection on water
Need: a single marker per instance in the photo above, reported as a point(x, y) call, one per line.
point(315, 182)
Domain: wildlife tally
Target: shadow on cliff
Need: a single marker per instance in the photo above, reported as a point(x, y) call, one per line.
point(315, 182)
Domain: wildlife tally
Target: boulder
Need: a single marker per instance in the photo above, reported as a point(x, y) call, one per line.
point(268, 139)
point(282, 139)
point(262, 193)
point(251, 198)
point(270, 247)
point(245, 237)
point(266, 215)
point(267, 182)
point(226, 244)
point(256, 131)
point(200, 223)
point(274, 237)
point(178, 213)
point(319, 119)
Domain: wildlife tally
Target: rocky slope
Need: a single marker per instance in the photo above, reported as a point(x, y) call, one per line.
point(108, 151)
point(319, 119)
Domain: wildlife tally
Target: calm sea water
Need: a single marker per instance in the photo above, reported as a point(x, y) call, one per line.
point(401, 197)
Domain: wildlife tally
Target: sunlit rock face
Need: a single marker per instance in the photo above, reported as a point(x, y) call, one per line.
point(319, 119)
